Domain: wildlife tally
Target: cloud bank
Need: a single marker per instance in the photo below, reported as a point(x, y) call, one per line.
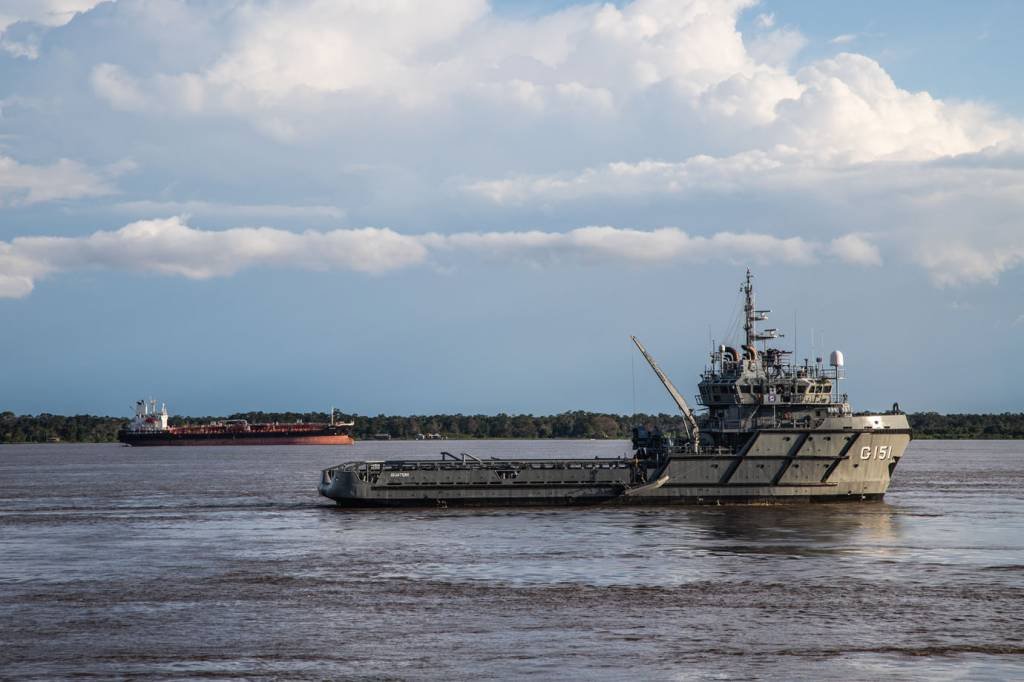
point(35, 14)
point(285, 65)
point(410, 113)
point(24, 184)
point(45, 12)
point(172, 247)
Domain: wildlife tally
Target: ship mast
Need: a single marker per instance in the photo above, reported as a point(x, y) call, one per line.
point(748, 311)
point(752, 317)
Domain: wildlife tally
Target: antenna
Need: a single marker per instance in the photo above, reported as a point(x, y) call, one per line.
point(796, 337)
point(748, 309)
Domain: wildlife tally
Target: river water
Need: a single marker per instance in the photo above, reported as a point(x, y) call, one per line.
point(224, 563)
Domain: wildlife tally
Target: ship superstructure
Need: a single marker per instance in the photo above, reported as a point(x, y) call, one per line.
point(772, 430)
point(753, 388)
point(150, 427)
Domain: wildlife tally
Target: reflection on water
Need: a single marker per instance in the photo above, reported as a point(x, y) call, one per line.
point(608, 547)
point(223, 562)
point(824, 526)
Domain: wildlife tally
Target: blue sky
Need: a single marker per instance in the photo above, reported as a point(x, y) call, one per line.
point(469, 207)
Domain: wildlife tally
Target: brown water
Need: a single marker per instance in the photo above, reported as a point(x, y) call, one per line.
point(224, 563)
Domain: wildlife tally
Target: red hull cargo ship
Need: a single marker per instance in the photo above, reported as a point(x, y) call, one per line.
point(149, 427)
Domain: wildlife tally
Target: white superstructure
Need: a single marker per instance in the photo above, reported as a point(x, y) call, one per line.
point(147, 418)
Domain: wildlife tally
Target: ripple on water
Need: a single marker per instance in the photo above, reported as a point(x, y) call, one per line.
point(223, 562)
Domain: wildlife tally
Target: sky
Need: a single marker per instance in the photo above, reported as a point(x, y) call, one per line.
point(460, 206)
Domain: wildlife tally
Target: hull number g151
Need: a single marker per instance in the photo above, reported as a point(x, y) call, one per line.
point(877, 452)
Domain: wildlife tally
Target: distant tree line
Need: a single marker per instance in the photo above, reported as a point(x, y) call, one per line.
point(1008, 425)
point(41, 428)
point(566, 425)
point(45, 427)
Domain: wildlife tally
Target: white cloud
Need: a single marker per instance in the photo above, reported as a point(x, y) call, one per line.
point(957, 218)
point(28, 47)
point(172, 247)
point(307, 67)
point(210, 209)
point(851, 109)
point(16, 286)
point(653, 102)
point(960, 262)
point(34, 18)
point(285, 64)
point(45, 12)
point(605, 243)
point(297, 56)
point(287, 54)
point(701, 173)
point(856, 249)
point(23, 184)
point(776, 48)
point(118, 88)
point(844, 39)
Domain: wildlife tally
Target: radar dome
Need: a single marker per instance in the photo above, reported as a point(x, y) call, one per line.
point(836, 359)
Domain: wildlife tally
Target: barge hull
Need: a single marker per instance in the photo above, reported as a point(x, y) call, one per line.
point(162, 440)
point(613, 501)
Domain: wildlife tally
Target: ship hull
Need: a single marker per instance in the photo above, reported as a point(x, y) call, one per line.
point(163, 439)
point(781, 466)
point(764, 498)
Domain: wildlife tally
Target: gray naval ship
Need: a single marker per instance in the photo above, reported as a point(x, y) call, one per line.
point(773, 431)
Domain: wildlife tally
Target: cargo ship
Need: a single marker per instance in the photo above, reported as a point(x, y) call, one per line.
point(773, 429)
point(149, 427)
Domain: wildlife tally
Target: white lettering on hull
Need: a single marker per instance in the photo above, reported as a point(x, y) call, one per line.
point(876, 452)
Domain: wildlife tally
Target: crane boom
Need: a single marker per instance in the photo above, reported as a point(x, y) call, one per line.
point(692, 428)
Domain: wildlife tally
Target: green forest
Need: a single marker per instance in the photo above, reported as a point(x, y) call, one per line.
point(43, 428)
